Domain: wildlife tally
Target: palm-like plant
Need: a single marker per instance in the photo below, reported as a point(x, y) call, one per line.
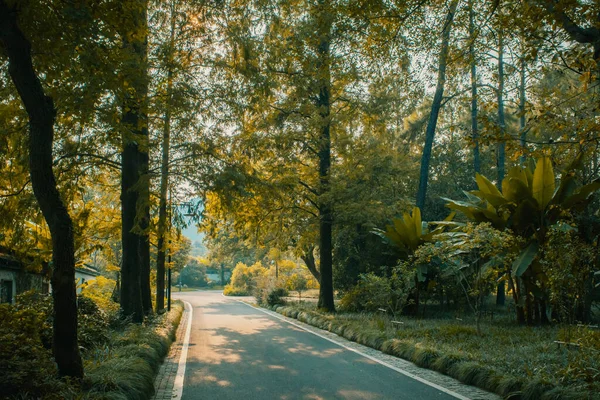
point(529, 204)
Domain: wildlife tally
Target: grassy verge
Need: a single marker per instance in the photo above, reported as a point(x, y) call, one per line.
point(520, 362)
point(127, 366)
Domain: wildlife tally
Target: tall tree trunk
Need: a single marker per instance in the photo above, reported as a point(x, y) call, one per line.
point(435, 107)
point(324, 21)
point(164, 175)
point(144, 235)
point(41, 113)
point(522, 104)
point(134, 170)
point(500, 155)
point(474, 98)
point(500, 289)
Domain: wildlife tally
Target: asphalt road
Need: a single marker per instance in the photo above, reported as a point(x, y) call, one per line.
point(238, 352)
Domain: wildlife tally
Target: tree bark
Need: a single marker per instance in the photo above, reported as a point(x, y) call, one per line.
point(500, 156)
point(41, 112)
point(324, 22)
point(309, 259)
point(135, 289)
point(474, 97)
point(500, 160)
point(435, 107)
point(522, 104)
point(164, 175)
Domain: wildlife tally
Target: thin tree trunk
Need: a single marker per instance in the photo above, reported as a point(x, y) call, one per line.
point(500, 157)
point(164, 175)
point(500, 161)
point(41, 112)
point(522, 104)
point(474, 98)
point(435, 107)
point(324, 21)
point(134, 173)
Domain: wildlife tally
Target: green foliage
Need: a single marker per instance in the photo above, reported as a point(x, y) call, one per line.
point(583, 362)
point(569, 263)
point(244, 279)
point(297, 282)
point(26, 365)
point(374, 292)
point(101, 291)
point(93, 324)
point(193, 275)
point(275, 297)
point(92, 321)
point(407, 233)
point(529, 206)
point(229, 290)
point(128, 368)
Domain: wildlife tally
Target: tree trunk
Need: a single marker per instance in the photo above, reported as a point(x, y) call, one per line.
point(41, 113)
point(164, 175)
point(522, 104)
point(324, 22)
point(474, 98)
point(500, 289)
point(309, 259)
point(435, 107)
point(135, 271)
point(500, 157)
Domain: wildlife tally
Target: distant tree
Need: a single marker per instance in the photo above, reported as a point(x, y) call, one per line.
point(193, 274)
point(297, 283)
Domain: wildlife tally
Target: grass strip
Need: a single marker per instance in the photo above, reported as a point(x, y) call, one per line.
point(456, 356)
point(127, 368)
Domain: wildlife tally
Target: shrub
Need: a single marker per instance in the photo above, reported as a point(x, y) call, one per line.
point(25, 363)
point(93, 324)
point(101, 291)
point(230, 290)
point(374, 292)
point(275, 297)
point(244, 279)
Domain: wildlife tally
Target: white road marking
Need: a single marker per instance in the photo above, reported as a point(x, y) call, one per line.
point(178, 384)
point(399, 370)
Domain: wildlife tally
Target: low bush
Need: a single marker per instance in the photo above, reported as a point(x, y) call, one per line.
point(26, 365)
point(373, 293)
point(275, 297)
point(92, 322)
point(229, 290)
point(118, 364)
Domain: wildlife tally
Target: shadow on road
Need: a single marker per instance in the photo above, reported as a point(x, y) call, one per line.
point(239, 353)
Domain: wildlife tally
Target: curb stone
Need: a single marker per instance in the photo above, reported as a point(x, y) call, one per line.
point(165, 379)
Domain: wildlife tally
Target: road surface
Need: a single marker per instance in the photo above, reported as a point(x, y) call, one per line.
point(238, 352)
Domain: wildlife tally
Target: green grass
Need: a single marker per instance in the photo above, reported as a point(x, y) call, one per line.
point(128, 365)
point(505, 358)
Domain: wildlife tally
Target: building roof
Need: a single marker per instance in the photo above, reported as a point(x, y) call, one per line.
point(88, 270)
